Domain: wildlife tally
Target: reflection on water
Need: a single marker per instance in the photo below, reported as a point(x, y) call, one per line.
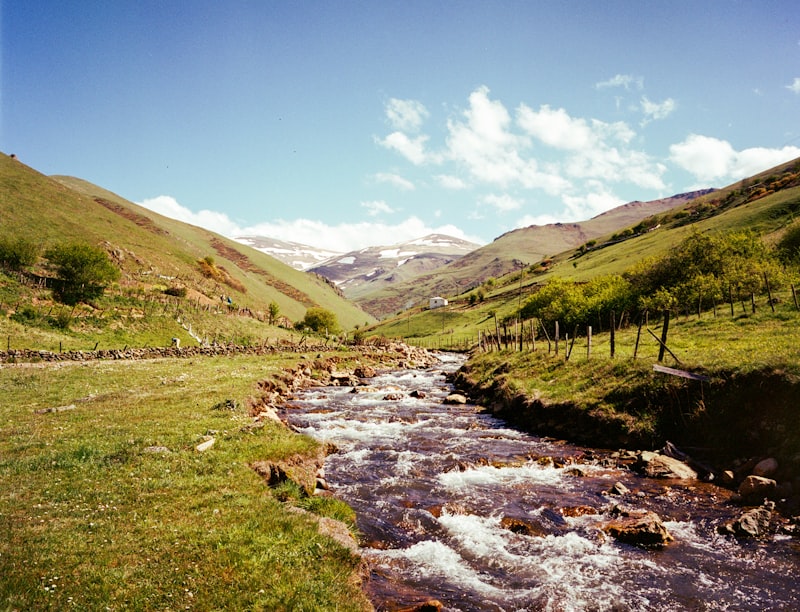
point(453, 505)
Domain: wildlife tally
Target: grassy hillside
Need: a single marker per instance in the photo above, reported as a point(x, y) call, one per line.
point(155, 253)
point(508, 254)
point(766, 204)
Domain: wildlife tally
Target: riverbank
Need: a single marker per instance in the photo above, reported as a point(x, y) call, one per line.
point(731, 421)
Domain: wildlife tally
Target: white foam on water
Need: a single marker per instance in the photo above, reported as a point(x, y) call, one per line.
point(531, 473)
point(433, 560)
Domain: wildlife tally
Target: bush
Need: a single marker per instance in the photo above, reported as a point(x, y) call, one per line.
point(18, 253)
point(83, 272)
point(320, 321)
point(176, 291)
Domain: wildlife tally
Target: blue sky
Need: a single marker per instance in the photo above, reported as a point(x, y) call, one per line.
point(346, 124)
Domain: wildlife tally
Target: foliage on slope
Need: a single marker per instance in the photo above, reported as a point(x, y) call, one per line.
point(155, 253)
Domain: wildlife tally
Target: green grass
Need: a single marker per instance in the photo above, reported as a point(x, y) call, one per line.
point(155, 252)
point(90, 518)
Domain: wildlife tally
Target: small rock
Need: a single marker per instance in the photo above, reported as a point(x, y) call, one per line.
point(766, 468)
point(753, 523)
point(393, 397)
point(641, 528)
point(756, 487)
point(418, 394)
point(455, 398)
point(523, 527)
point(655, 465)
point(204, 446)
point(619, 489)
point(156, 449)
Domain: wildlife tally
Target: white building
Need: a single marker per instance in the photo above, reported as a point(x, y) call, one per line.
point(437, 302)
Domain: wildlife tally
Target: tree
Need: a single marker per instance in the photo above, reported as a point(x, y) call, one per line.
point(274, 310)
point(789, 245)
point(18, 253)
point(319, 320)
point(83, 272)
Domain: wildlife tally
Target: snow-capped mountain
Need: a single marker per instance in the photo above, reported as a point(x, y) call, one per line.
point(368, 269)
point(299, 256)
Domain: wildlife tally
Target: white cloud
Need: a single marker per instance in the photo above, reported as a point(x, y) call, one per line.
point(482, 142)
point(395, 179)
point(502, 203)
point(346, 237)
point(209, 219)
point(622, 80)
point(580, 208)
point(711, 159)
point(529, 220)
point(795, 86)
point(413, 149)
point(339, 238)
point(377, 207)
point(657, 110)
point(449, 181)
point(406, 115)
point(555, 127)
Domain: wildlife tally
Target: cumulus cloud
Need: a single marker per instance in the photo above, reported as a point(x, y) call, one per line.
point(413, 149)
point(795, 86)
point(209, 219)
point(711, 159)
point(406, 115)
point(502, 203)
point(482, 141)
point(627, 81)
point(342, 237)
point(555, 127)
point(377, 207)
point(345, 237)
point(395, 179)
point(449, 181)
point(657, 110)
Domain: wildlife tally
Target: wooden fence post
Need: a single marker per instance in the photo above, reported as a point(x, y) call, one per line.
point(556, 338)
point(664, 332)
point(588, 342)
point(769, 292)
point(638, 336)
point(794, 297)
point(612, 338)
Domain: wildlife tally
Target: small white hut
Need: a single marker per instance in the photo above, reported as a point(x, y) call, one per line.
point(437, 302)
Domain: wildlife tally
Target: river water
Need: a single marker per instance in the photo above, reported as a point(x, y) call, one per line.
point(453, 505)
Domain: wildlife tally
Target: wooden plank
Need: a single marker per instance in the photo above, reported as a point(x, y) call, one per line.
point(681, 373)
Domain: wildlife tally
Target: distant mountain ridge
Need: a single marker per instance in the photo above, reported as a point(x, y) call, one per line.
point(511, 251)
point(372, 268)
point(299, 256)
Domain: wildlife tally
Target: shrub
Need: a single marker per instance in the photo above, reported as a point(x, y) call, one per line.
point(319, 320)
point(176, 291)
point(83, 272)
point(18, 253)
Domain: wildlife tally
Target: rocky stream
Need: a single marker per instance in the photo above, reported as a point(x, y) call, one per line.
point(459, 510)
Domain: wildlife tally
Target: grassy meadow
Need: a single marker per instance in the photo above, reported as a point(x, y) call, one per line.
point(107, 504)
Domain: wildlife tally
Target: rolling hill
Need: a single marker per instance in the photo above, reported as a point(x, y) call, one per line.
point(368, 270)
point(507, 253)
point(154, 252)
point(765, 203)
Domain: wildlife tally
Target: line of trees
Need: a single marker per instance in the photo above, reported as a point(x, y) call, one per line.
point(700, 273)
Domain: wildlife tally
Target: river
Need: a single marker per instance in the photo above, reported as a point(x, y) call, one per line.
point(455, 506)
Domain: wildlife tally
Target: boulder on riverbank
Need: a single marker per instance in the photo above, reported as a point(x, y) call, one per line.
point(656, 465)
point(752, 523)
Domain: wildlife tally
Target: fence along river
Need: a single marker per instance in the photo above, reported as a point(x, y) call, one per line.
point(441, 492)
